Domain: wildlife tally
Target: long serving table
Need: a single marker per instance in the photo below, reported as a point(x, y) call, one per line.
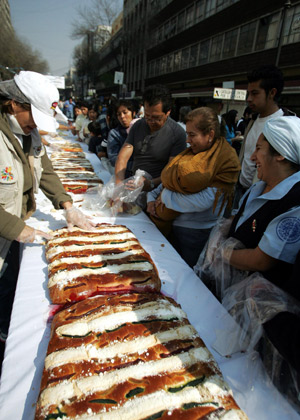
point(30, 326)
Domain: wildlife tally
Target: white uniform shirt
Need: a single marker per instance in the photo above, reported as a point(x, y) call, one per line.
point(248, 167)
point(281, 239)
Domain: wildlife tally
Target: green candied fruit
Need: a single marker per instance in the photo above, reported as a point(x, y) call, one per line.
point(195, 404)
point(155, 416)
point(194, 382)
point(58, 415)
point(94, 268)
point(103, 401)
point(134, 392)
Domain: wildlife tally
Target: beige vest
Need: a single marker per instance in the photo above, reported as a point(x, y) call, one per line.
point(11, 186)
point(12, 179)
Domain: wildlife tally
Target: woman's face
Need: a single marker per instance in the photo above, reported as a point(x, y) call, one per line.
point(24, 117)
point(198, 141)
point(264, 160)
point(93, 115)
point(124, 116)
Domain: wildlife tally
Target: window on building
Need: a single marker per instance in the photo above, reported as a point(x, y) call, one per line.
point(216, 47)
point(156, 68)
point(185, 58)
point(173, 27)
point(204, 51)
point(230, 40)
point(221, 4)
point(291, 30)
point(210, 7)
point(150, 69)
point(180, 21)
point(163, 65)
point(170, 62)
point(177, 60)
point(189, 16)
point(267, 32)
point(194, 55)
point(246, 38)
point(199, 12)
point(160, 33)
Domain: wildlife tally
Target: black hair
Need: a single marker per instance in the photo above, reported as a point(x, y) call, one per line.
point(94, 108)
point(84, 104)
point(128, 104)
point(111, 118)
point(248, 111)
point(270, 77)
point(155, 94)
point(183, 111)
point(95, 128)
point(229, 118)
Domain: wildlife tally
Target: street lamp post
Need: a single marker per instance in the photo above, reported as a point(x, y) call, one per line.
point(286, 6)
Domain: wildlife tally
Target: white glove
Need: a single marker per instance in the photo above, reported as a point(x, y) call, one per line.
point(30, 234)
point(75, 217)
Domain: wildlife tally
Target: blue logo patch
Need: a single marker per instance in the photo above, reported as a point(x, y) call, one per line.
point(288, 229)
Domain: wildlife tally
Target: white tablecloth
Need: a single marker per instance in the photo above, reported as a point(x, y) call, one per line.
point(29, 330)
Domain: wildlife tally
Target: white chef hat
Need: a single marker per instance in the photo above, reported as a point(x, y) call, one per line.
point(283, 133)
point(43, 97)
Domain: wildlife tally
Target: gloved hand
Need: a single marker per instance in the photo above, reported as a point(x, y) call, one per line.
point(30, 234)
point(75, 217)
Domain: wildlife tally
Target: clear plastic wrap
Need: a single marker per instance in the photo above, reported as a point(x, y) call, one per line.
point(212, 266)
point(113, 198)
point(252, 303)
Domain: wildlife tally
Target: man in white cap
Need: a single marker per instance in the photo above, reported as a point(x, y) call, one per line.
point(26, 102)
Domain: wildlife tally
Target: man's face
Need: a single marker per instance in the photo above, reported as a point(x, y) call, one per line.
point(257, 98)
point(84, 110)
point(155, 117)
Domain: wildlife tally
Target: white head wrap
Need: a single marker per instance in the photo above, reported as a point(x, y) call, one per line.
point(283, 133)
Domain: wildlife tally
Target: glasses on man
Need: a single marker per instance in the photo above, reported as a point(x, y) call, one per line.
point(154, 119)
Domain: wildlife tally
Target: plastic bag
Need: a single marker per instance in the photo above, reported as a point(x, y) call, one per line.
point(212, 266)
point(107, 166)
point(254, 301)
point(116, 198)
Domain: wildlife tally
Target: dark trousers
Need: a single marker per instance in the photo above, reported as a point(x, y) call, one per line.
point(8, 282)
point(189, 242)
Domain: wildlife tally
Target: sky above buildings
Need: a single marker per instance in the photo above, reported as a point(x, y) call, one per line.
point(47, 25)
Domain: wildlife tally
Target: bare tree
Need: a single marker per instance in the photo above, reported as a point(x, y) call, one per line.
point(17, 55)
point(88, 27)
point(102, 12)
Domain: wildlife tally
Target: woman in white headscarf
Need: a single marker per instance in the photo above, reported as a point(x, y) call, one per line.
point(268, 226)
point(268, 220)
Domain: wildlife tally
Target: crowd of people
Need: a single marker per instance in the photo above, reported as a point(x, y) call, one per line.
point(197, 171)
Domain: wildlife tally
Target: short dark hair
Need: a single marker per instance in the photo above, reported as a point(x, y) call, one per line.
point(127, 103)
point(84, 104)
point(270, 77)
point(94, 107)
point(247, 110)
point(155, 94)
point(95, 128)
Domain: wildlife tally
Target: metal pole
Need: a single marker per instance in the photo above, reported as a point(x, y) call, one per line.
point(286, 6)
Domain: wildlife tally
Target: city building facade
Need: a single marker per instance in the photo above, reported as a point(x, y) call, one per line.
point(197, 45)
